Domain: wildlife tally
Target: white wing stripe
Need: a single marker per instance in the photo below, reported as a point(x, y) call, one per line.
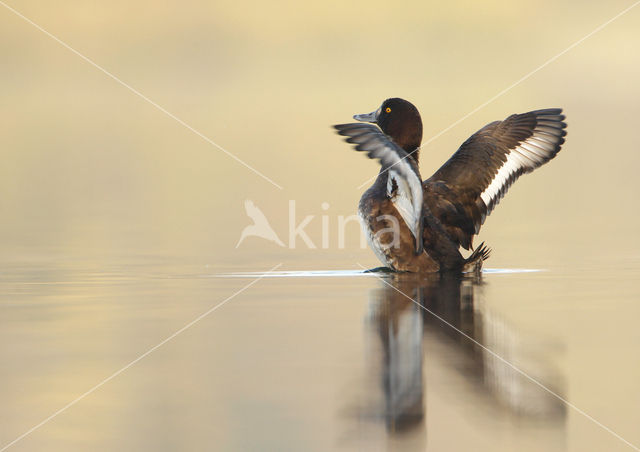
point(525, 157)
point(539, 141)
point(548, 129)
point(546, 147)
point(535, 152)
point(506, 170)
point(520, 159)
point(547, 139)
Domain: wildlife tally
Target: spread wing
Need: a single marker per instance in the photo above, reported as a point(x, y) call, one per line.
point(404, 185)
point(464, 191)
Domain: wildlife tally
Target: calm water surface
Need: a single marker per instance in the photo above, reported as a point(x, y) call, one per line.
point(325, 362)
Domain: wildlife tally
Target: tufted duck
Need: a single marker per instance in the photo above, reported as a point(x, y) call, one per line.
point(417, 226)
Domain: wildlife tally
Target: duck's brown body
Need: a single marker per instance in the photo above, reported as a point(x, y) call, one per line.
point(418, 226)
point(398, 253)
point(394, 250)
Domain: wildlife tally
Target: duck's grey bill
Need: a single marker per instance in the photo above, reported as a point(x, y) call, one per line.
point(368, 117)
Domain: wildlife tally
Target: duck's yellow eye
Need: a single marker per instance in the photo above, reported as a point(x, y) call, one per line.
point(388, 110)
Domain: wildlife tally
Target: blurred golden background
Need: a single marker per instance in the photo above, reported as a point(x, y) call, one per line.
point(89, 167)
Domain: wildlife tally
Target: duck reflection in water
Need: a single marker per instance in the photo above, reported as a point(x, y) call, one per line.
point(409, 314)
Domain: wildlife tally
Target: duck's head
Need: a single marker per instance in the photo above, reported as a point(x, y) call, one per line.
point(400, 120)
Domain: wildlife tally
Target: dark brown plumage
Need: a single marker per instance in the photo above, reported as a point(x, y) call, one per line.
point(456, 200)
point(453, 192)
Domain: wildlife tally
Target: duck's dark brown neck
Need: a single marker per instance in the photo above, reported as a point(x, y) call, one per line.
point(413, 151)
point(410, 143)
point(407, 135)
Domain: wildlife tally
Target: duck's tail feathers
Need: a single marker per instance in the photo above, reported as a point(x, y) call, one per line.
point(473, 264)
